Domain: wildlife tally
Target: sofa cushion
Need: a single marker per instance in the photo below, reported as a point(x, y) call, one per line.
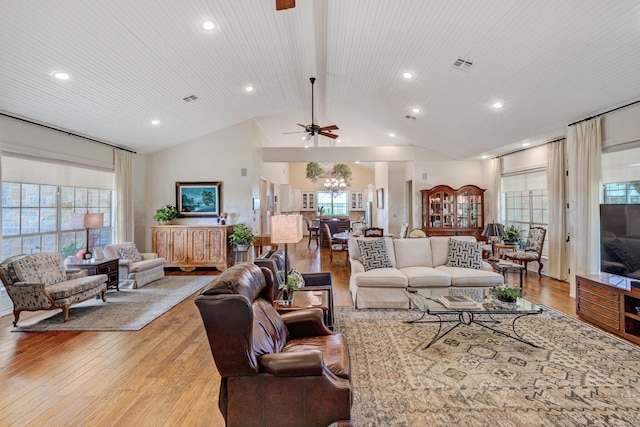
point(373, 253)
point(426, 277)
point(471, 277)
point(146, 264)
point(354, 250)
point(440, 247)
point(333, 348)
point(44, 267)
point(464, 254)
point(68, 288)
point(413, 253)
point(381, 278)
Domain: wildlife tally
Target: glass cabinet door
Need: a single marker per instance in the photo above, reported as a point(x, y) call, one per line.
point(448, 210)
point(475, 210)
point(463, 210)
point(435, 210)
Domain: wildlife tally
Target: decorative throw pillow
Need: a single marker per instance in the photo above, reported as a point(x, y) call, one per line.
point(464, 254)
point(130, 252)
point(373, 253)
point(624, 253)
point(296, 273)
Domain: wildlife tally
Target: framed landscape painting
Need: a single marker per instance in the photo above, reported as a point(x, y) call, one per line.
point(199, 198)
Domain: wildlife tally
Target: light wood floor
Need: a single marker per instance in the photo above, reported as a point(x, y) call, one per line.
point(163, 375)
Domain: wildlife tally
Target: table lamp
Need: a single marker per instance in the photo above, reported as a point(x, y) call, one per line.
point(493, 230)
point(286, 229)
point(87, 221)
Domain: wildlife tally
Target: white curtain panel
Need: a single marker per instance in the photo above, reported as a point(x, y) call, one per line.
point(557, 229)
point(584, 153)
point(124, 219)
point(495, 189)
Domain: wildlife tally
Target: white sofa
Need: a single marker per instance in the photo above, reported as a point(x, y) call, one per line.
point(420, 264)
point(138, 273)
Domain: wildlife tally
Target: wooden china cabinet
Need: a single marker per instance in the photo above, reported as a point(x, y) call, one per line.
point(448, 212)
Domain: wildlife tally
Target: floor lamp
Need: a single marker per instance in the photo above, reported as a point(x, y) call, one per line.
point(492, 231)
point(286, 229)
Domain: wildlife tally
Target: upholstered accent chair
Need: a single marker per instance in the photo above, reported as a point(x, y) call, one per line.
point(532, 250)
point(336, 246)
point(137, 268)
point(276, 370)
point(40, 282)
point(314, 232)
point(373, 232)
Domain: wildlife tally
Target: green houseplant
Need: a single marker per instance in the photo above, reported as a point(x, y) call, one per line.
point(242, 236)
point(506, 293)
point(513, 235)
point(166, 214)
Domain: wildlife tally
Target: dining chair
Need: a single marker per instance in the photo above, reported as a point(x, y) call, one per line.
point(416, 233)
point(336, 246)
point(532, 250)
point(373, 232)
point(314, 232)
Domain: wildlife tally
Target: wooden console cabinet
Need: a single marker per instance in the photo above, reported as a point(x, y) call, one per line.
point(610, 302)
point(189, 247)
point(449, 212)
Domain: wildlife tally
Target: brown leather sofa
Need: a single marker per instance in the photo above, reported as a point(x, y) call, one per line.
point(274, 260)
point(277, 370)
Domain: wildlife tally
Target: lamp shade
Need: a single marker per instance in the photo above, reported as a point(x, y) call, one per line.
point(286, 228)
point(87, 220)
point(493, 229)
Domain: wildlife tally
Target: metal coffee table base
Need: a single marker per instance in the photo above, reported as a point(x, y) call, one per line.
point(467, 318)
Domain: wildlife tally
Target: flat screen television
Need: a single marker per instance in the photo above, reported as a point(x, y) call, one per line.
point(620, 239)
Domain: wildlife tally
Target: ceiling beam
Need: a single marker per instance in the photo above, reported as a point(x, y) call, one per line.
point(343, 154)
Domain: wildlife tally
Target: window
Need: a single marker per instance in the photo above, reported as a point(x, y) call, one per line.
point(622, 192)
point(37, 218)
point(524, 202)
point(334, 203)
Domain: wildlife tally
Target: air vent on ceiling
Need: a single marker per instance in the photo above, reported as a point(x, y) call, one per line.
point(462, 64)
point(190, 98)
point(409, 117)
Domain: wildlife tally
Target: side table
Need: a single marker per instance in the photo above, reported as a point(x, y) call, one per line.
point(502, 267)
point(305, 298)
point(108, 266)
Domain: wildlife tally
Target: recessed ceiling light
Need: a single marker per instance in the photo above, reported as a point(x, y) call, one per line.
point(357, 162)
point(338, 140)
point(415, 109)
point(208, 25)
point(306, 146)
point(497, 105)
point(485, 157)
point(60, 75)
point(155, 122)
point(407, 75)
point(392, 135)
point(526, 144)
point(248, 89)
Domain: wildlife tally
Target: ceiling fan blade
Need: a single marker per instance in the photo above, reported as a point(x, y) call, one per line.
point(285, 4)
point(298, 131)
point(328, 134)
point(330, 127)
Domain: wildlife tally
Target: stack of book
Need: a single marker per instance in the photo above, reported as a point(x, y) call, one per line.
point(457, 301)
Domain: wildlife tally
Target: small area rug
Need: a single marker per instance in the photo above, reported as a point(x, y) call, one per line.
point(475, 377)
point(125, 310)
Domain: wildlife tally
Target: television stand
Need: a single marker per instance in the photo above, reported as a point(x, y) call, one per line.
point(610, 302)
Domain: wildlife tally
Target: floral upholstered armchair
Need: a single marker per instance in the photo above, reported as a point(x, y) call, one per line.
point(532, 250)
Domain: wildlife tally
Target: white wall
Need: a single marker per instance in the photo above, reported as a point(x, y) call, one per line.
point(218, 156)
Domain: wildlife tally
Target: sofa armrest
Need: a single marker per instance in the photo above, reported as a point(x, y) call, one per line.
point(29, 296)
point(148, 255)
point(356, 266)
point(305, 323)
point(125, 263)
point(292, 364)
point(317, 279)
point(486, 266)
point(76, 273)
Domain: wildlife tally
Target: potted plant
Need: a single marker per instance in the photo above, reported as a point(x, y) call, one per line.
point(320, 211)
point(242, 236)
point(166, 214)
point(293, 284)
point(507, 294)
point(512, 235)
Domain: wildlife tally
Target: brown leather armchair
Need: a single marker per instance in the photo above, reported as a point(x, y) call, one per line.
point(277, 370)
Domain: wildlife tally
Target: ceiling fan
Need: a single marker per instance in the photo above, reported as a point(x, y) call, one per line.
point(314, 129)
point(285, 4)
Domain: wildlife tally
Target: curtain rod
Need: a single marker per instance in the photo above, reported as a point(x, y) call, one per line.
point(67, 132)
point(606, 112)
point(525, 149)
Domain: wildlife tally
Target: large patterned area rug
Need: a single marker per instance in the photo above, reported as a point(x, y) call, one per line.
point(475, 377)
point(125, 310)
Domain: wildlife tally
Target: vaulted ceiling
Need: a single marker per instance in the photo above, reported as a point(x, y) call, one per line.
point(548, 62)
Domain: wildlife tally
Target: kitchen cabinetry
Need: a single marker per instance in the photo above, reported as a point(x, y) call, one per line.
point(189, 247)
point(308, 201)
point(290, 198)
point(356, 201)
point(610, 302)
point(448, 212)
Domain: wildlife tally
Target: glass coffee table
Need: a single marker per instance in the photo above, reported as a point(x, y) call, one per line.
point(483, 314)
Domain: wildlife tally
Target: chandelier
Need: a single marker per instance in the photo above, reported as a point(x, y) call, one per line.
point(335, 184)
